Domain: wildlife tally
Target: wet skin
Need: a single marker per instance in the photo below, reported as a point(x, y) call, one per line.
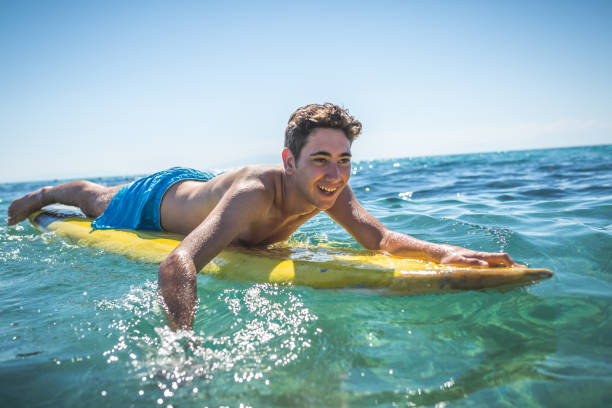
point(281, 197)
point(255, 205)
point(266, 204)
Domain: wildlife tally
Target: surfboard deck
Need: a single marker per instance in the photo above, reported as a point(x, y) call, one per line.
point(314, 266)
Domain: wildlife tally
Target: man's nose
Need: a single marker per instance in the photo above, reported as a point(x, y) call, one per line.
point(333, 172)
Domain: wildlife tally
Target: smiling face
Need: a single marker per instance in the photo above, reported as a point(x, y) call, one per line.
point(323, 168)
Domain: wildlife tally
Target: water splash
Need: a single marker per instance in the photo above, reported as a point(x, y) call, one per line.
point(266, 326)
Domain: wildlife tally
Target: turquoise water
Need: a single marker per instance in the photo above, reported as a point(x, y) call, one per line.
point(80, 326)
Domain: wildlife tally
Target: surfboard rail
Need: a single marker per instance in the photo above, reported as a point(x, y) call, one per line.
point(318, 267)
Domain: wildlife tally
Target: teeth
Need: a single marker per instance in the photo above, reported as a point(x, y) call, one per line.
point(327, 189)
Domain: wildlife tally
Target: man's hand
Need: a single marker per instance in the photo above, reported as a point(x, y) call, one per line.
point(177, 288)
point(462, 256)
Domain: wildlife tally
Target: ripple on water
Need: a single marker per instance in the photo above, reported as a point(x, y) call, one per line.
point(263, 328)
point(84, 325)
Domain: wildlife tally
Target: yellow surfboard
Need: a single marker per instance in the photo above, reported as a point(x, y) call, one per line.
point(318, 266)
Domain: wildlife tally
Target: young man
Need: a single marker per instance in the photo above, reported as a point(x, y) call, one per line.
point(254, 205)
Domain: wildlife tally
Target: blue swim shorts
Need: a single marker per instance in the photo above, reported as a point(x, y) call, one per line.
point(136, 205)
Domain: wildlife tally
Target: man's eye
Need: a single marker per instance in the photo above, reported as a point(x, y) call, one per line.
point(320, 160)
point(345, 162)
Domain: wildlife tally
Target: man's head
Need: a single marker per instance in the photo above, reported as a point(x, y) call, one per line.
point(310, 117)
point(317, 153)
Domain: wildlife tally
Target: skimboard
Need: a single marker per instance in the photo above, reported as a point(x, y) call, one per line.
point(315, 266)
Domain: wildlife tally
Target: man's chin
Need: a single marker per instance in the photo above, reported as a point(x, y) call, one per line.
point(326, 205)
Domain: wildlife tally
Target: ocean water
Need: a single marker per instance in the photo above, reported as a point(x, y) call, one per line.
point(80, 327)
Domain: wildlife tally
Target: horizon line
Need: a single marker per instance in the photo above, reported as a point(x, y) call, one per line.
point(357, 160)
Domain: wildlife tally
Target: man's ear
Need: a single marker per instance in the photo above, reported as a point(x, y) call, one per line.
point(288, 161)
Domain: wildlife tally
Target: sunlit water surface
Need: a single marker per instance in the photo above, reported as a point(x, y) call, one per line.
point(80, 327)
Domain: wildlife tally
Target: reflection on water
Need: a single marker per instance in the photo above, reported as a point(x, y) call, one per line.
point(510, 348)
point(82, 326)
point(258, 329)
point(260, 337)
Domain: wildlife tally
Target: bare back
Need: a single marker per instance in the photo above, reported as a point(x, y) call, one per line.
point(187, 204)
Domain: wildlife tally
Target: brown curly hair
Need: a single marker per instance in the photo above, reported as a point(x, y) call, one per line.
point(307, 118)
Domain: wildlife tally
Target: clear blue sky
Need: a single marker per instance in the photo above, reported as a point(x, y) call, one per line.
point(128, 87)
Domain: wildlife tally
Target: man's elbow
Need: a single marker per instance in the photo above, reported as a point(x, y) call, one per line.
point(377, 242)
point(387, 241)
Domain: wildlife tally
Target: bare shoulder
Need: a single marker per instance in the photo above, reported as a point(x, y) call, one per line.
point(261, 172)
point(256, 178)
point(259, 183)
point(243, 177)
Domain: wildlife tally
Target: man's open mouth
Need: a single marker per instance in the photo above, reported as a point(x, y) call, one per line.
point(327, 190)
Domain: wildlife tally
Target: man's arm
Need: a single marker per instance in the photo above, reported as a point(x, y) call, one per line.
point(372, 234)
point(178, 272)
